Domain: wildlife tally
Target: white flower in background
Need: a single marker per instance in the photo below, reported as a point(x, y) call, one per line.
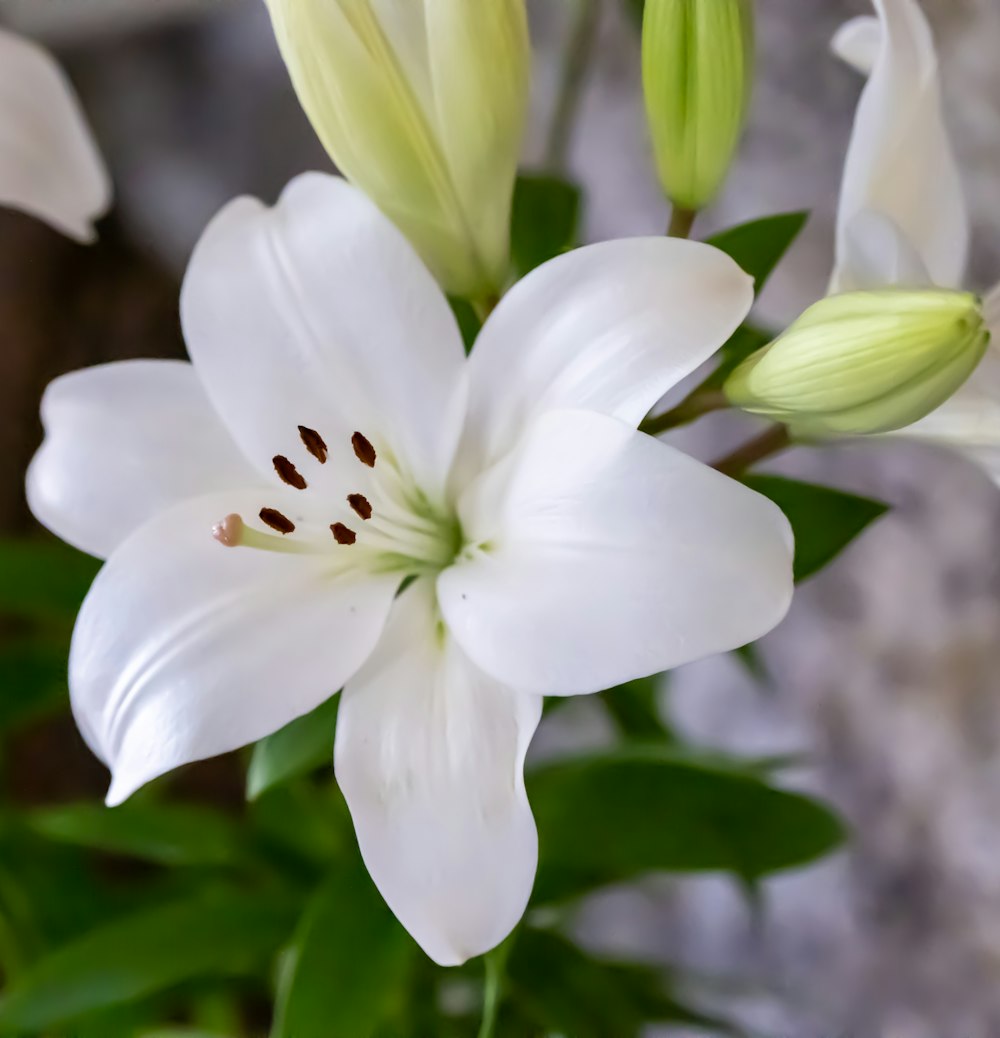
point(902, 218)
point(333, 433)
point(422, 105)
point(49, 164)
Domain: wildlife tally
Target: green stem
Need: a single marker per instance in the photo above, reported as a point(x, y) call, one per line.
point(699, 402)
point(770, 442)
point(495, 965)
point(579, 49)
point(681, 222)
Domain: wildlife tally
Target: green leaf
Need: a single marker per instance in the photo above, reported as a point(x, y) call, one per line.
point(635, 709)
point(349, 963)
point(558, 987)
point(545, 221)
point(609, 817)
point(218, 933)
point(43, 578)
point(297, 749)
point(759, 246)
point(32, 680)
point(824, 521)
point(167, 834)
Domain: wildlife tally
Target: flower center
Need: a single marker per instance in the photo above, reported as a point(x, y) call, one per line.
point(382, 523)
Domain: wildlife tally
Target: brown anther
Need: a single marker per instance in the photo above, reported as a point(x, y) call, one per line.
point(343, 534)
point(288, 473)
point(229, 532)
point(360, 504)
point(364, 450)
point(314, 443)
point(273, 518)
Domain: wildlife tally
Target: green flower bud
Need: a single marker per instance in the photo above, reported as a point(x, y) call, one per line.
point(422, 105)
point(864, 362)
point(697, 71)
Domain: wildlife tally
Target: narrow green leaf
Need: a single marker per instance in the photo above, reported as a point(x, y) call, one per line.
point(759, 246)
point(349, 963)
point(297, 749)
point(545, 221)
point(661, 810)
point(824, 520)
point(43, 578)
point(167, 834)
point(562, 989)
point(218, 933)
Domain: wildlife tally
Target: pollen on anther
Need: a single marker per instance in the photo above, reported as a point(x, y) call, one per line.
point(288, 473)
point(276, 520)
point(343, 534)
point(360, 504)
point(313, 443)
point(229, 531)
point(364, 450)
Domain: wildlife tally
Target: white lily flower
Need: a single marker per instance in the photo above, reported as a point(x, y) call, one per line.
point(902, 217)
point(332, 430)
point(49, 164)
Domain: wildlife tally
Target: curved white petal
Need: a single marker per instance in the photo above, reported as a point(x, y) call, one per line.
point(185, 649)
point(122, 443)
point(608, 328)
point(610, 556)
point(49, 164)
point(857, 43)
point(319, 313)
point(429, 755)
point(900, 164)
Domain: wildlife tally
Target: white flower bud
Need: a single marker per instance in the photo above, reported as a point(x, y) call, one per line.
point(422, 105)
point(864, 362)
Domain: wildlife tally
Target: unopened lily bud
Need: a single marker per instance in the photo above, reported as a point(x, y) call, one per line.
point(422, 105)
point(864, 362)
point(697, 71)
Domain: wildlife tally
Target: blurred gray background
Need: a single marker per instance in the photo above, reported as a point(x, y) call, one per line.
point(886, 675)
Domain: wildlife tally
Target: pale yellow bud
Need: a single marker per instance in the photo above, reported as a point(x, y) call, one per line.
point(697, 71)
point(864, 362)
point(421, 104)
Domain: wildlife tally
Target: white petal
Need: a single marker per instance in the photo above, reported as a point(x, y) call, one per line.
point(319, 313)
point(430, 753)
point(123, 442)
point(611, 556)
point(49, 163)
point(900, 164)
point(185, 649)
point(607, 328)
point(858, 42)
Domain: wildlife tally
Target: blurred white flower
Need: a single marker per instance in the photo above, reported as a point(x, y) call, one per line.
point(902, 218)
point(422, 105)
point(49, 164)
point(332, 429)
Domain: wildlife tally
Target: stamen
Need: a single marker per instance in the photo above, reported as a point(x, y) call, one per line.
point(360, 504)
point(273, 518)
point(343, 534)
point(313, 443)
point(364, 450)
point(229, 531)
point(288, 473)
